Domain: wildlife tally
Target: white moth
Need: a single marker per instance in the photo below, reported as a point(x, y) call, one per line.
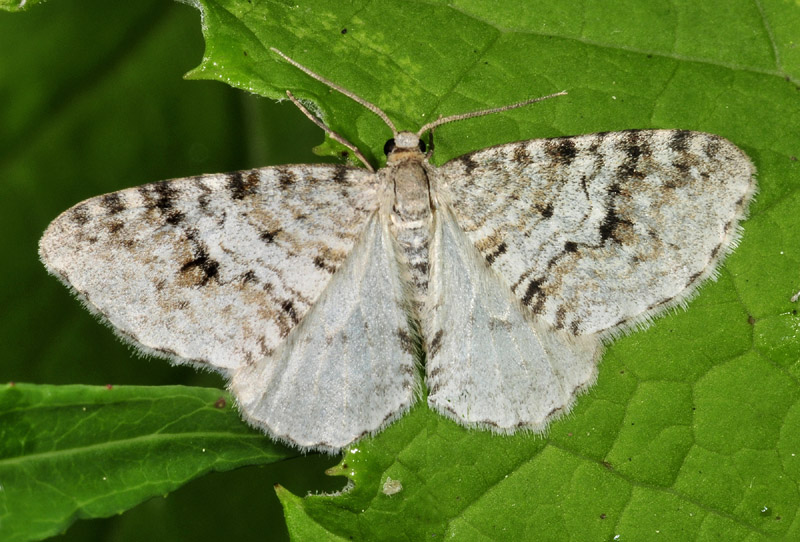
point(324, 291)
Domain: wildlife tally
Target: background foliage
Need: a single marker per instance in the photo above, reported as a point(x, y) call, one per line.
point(693, 430)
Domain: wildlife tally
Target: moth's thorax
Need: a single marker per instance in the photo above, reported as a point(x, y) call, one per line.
point(412, 201)
point(407, 176)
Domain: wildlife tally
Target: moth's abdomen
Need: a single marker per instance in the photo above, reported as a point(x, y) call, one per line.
point(414, 240)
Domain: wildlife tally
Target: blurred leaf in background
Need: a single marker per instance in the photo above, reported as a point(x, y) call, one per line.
point(693, 430)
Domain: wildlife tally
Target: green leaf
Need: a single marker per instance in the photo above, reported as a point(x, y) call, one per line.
point(70, 452)
point(689, 430)
point(692, 429)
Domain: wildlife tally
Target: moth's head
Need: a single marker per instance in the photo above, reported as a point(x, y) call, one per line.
point(402, 146)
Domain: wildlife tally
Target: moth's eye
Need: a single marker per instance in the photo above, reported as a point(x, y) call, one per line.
point(388, 147)
point(422, 146)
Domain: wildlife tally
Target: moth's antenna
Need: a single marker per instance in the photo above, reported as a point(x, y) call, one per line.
point(372, 107)
point(462, 116)
point(330, 132)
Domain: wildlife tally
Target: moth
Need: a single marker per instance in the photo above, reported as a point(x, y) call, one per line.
point(334, 297)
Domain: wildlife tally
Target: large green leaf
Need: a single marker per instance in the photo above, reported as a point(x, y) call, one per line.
point(693, 430)
point(68, 452)
point(690, 430)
